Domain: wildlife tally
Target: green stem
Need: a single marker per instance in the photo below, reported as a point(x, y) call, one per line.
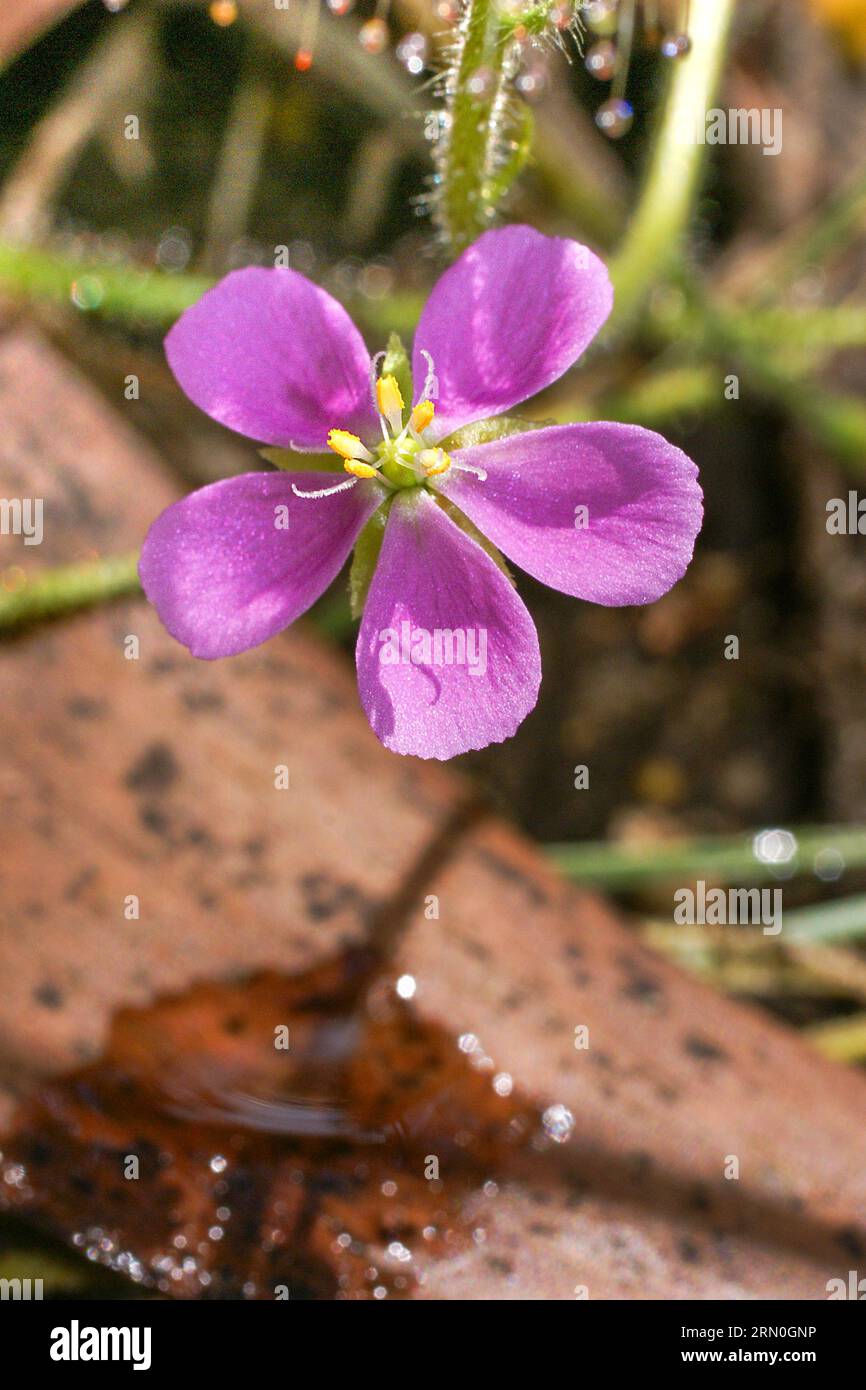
point(839, 921)
point(153, 298)
point(654, 237)
point(486, 135)
point(149, 297)
point(63, 590)
point(722, 858)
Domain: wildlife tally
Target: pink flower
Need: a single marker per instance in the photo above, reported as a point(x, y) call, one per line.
point(447, 653)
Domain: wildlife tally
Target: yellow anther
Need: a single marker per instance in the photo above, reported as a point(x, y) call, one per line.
point(360, 470)
point(390, 402)
point(422, 415)
point(347, 445)
point(434, 461)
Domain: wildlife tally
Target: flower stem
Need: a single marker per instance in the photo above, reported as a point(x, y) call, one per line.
point(25, 599)
point(653, 240)
point(486, 132)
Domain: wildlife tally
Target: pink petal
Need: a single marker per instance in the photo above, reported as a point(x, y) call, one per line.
point(641, 494)
point(508, 318)
point(273, 356)
point(224, 576)
point(453, 599)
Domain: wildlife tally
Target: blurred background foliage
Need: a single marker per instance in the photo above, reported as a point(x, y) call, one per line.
point(333, 132)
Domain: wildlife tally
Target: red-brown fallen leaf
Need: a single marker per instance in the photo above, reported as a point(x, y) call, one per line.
point(200, 1157)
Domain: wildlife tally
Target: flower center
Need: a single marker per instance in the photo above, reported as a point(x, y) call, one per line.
point(405, 458)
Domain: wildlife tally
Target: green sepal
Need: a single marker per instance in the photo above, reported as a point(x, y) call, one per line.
point(367, 548)
point(485, 431)
point(396, 364)
point(288, 461)
point(468, 529)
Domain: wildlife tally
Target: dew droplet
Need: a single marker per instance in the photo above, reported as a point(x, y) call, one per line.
point(614, 118)
point(531, 83)
point(558, 1123)
point(86, 292)
point(829, 865)
point(223, 12)
point(600, 61)
point(412, 53)
point(406, 986)
point(675, 45)
point(600, 13)
point(373, 35)
point(562, 16)
point(341, 7)
point(774, 846)
point(480, 83)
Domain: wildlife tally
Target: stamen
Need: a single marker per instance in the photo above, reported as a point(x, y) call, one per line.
point(360, 470)
point(374, 374)
point(325, 491)
point(348, 446)
point(434, 461)
point(390, 402)
point(468, 468)
point(421, 416)
point(431, 386)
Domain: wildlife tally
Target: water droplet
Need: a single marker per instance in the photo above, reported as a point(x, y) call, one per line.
point(173, 249)
point(467, 1042)
point(341, 7)
point(531, 83)
point(480, 83)
point(600, 14)
point(829, 865)
point(558, 1123)
point(774, 846)
point(562, 16)
point(503, 1084)
point(675, 45)
point(373, 35)
point(218, 1164)
point(614, 118)
point(86, 292)
point(223, 12)
point(600, 61)
point(412, 53)
point(406, 987)
point(398, 1251)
